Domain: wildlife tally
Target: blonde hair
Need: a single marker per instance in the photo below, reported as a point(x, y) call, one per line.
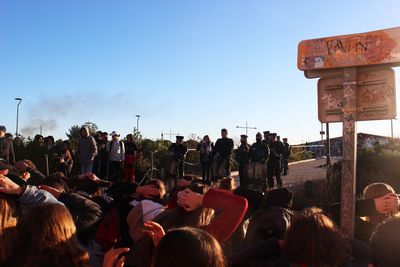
point(8, 222)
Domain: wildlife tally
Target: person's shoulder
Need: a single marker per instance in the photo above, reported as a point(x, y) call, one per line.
point(6, 141)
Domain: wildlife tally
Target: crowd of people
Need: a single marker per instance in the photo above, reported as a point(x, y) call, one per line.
point(108, 159)
point(114, 159)
point(258, 163)
point(83, 220)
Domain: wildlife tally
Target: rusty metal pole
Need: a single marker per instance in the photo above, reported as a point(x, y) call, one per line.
point(349, 153)
point(328, 144)
point(328, 153)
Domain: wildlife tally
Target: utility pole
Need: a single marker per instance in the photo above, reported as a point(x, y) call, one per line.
point(247, 127)
point(170, 135)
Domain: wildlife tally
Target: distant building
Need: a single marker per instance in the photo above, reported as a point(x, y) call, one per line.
point(364, 141)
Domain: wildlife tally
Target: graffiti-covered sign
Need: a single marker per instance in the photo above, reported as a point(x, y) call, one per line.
point(376, 96)
point(371, 48)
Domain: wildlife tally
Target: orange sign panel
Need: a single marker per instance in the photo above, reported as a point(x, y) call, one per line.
point(371, 48)
point(376, 96)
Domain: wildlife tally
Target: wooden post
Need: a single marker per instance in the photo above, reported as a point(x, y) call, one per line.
point(349, 151)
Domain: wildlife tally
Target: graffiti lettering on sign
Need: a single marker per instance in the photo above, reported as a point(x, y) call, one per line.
point(371, 48)
point(376, 96)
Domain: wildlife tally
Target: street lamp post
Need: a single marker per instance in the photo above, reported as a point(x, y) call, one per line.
point(19, 102)
point(137, 123)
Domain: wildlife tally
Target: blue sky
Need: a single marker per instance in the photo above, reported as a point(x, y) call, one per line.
point(190, 66)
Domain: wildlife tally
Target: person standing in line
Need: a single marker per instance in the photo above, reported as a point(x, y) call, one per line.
point(274, 162)
point(242, 158)
point(6, 147)
point(35, 151)
point(103, 155)
point(116, 155)
point(132, 153)
point(87, 150)
point(96, 162)
point(222, 156)
point(177, 153)
point(206, 148)
point(286, 155)
point(259, 155)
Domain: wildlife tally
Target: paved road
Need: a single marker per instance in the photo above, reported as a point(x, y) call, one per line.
point(301, 171)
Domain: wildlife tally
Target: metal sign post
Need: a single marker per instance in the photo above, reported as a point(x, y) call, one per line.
point(356, 84)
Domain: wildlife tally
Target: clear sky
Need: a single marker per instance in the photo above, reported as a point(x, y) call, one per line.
point(190, 66)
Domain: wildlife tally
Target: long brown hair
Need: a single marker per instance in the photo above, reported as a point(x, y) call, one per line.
point(187, 246)
point(47, 237)
point(8, 222)
point(313, 239)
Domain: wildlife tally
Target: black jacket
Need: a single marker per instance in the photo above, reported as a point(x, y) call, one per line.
point(242, 154)
point(7, 150)
point(259, 152)
point(130, 148)
point(85, 213)
point(178, 151)
point(223, 149)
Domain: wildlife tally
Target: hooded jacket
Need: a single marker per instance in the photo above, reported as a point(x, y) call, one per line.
point(87, 148)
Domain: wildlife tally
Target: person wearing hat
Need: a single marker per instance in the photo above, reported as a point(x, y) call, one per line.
point(274, 162)
point(259, 155)
point(116, 155)
point(87, 150)
point(242, 158)
point(177, 152)
point(6, 146)
point(222, 156)
point(286, 155)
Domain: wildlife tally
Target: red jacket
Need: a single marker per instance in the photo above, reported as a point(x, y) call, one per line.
point(229, 212)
